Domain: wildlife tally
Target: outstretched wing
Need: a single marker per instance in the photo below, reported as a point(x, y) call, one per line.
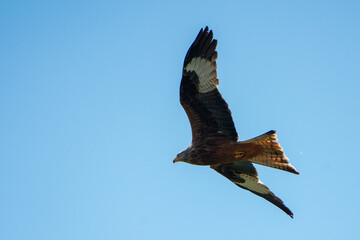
point(208, 112)
point(244, 175)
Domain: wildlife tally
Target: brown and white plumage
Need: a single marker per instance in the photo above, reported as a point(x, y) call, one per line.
point(244, 175)
point(214, 137)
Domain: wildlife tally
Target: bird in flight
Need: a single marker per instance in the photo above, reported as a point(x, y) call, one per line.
point(214, 137)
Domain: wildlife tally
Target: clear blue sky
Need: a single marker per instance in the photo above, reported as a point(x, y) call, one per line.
point(90, 119)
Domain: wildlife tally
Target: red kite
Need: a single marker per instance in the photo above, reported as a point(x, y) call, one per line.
point(214, 138)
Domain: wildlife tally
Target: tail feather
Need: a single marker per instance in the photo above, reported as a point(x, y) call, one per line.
point(271, 154)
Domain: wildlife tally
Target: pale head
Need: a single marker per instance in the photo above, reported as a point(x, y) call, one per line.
point(182, 156)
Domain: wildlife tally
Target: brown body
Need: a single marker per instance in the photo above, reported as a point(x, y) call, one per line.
point(225, 151)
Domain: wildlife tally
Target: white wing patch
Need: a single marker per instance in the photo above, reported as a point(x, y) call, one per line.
point(206, 71)
point(253, 184)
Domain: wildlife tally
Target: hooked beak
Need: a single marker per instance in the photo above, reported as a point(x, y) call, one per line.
point(175, 160)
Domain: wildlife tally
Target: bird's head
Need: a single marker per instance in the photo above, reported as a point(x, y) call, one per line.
point(181, 157)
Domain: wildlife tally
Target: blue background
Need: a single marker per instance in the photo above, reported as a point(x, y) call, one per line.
point(90, 119)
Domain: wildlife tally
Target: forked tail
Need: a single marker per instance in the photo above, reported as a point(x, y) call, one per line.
point(270, 153)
